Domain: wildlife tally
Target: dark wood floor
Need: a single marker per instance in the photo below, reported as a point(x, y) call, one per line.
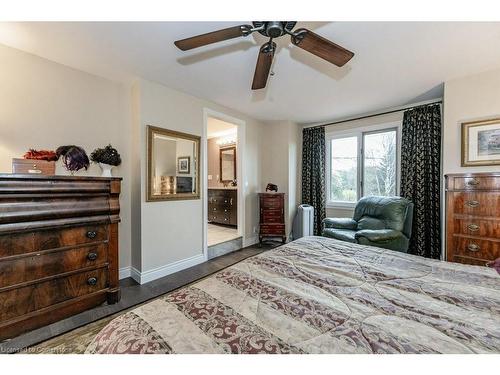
point(132, 294)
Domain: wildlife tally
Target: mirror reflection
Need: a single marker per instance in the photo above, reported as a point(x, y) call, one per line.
point(173, 159)
point(228, 164)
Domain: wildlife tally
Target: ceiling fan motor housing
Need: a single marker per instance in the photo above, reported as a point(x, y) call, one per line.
point(274, 29)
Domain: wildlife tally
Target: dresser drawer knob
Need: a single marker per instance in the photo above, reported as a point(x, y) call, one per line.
point(92, 281)
point(92, 256)
point(472, 203)
point(473, 247)
point(91, 234)
point(473, 182)
point(473, 227)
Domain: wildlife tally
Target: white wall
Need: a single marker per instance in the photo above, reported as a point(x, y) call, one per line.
point(281, 163)
point(171, 231)
point(470, 98)
point(44, 105)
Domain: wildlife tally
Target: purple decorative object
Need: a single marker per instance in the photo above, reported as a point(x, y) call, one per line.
point(495, 264)
point(74, 158)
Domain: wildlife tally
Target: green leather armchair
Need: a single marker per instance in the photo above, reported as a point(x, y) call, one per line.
point(378, 221)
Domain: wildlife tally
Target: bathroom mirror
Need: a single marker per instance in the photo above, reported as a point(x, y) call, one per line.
point(227, 164)
point(173, 165)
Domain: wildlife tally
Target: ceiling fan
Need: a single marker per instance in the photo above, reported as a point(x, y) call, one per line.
point(303, 38)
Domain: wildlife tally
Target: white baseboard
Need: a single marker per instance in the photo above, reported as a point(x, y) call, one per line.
point(124, 272)
point(156, 273)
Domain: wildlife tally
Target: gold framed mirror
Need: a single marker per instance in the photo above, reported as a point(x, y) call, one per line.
point(173, 170)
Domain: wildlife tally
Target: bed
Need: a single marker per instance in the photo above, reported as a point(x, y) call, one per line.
point(320, 295)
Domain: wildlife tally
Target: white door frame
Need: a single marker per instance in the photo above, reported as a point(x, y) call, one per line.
point(240, 172)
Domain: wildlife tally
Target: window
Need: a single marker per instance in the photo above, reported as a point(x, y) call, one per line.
point(344, 170)
point(362, 164)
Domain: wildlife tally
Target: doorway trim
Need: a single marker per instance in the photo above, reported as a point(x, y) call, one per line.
point(240, 172)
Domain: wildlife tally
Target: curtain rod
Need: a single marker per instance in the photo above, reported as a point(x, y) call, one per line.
point(386, 112)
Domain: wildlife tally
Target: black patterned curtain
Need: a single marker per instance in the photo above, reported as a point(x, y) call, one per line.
point(313, 173)
point(421, 177)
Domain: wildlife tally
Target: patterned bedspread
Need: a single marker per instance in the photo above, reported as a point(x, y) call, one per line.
point(318, 295)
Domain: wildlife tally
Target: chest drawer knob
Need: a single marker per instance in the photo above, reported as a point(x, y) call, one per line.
point(91, 234)
point(92, 281)
point(473, 227)
point(92, 256)
point(473, 247)
point(472, 203)
point(473, 182)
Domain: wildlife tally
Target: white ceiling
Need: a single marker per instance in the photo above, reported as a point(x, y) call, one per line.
point(394, 63)
point(219, 128)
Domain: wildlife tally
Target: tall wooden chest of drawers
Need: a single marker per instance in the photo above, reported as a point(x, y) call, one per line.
point(473, 217)
point(222, 206)
point(58, 248)
point(272, 216)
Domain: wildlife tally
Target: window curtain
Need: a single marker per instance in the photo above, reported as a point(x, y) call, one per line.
point(421, 177)
point(313, 173)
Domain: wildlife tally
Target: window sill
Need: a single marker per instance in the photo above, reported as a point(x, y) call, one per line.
point(341, 205)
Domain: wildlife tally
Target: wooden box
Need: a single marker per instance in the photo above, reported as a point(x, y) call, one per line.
point(31, 166)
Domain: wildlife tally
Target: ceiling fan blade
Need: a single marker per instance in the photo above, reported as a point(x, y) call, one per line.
point(213, 37)
point(263, 67)
point(321, 47)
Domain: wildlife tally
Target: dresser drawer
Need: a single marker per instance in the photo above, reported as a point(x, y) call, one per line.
point(45, 264)
point(272, 216)
point(14, 244)
point(468, 260)
point(222, 200)
point(476, 248)
point(477, 227)
point(21, 301)
point(217, 209)
point(271, 203)
point(476, 183)
point(272, 229)
point(477, 203)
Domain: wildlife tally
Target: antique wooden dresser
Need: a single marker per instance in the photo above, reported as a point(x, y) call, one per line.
point(222, 206)
point(58, 248)
point(473, 217)
point(272, 216)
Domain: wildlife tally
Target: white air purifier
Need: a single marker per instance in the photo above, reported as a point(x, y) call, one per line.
point(303, 224)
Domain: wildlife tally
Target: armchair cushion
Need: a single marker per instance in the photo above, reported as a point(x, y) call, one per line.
point(340, 234)
point(384, 212)
point(340, 223)
point(380, 235)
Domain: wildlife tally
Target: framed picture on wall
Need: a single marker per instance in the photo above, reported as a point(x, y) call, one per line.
point(481, 143)
point(183, 164)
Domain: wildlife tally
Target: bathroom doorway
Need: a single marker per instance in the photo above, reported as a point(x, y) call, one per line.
point(224, 188)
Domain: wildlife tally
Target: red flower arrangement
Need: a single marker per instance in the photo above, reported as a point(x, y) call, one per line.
point(40, 155)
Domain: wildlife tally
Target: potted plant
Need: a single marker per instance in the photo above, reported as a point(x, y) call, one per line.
point(107, 158)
